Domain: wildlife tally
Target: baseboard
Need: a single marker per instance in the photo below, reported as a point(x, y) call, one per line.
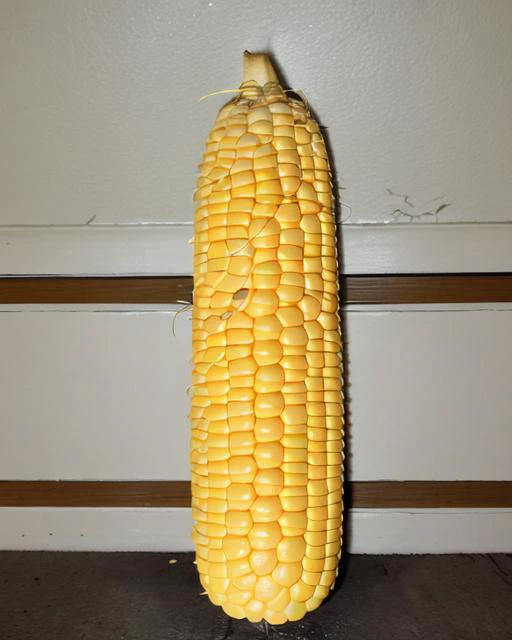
point(401, 531)
point(405, 531)
point(156, 249)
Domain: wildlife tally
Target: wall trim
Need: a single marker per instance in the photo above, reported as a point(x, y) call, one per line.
point(166, 530)
point(176, 493)
point(355, 289)
point(164, 249)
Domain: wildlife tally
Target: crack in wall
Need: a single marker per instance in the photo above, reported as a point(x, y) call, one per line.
point(404, 211)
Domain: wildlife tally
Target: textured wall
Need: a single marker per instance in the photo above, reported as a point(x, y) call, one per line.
point(100, 117)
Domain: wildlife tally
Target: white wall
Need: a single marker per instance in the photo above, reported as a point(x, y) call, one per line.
point(368, 530)
point(101, 118)
point(102, 130)
point(102, 395)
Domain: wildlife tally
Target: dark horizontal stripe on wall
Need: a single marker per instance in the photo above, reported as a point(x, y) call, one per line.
point(431, 494)
point(379, 495)
point(72, 493)
point(355, 289)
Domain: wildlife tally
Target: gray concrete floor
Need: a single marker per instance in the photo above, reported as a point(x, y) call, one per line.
point(141, 596)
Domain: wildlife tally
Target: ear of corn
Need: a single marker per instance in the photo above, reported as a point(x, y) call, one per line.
point(266, 415)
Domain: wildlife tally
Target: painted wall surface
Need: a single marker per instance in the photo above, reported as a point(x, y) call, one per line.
point(101, 120)
point(161, 529)
point(102, 395)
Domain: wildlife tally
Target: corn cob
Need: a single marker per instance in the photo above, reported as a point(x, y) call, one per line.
point(266, 449)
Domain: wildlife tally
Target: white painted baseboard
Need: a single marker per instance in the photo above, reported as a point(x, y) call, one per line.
point(406, 531)
point(165, 249)
point(401, 531)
